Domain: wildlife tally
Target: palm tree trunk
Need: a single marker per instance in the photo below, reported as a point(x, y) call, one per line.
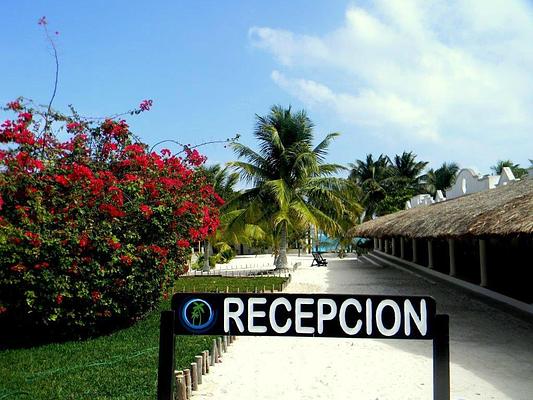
point(281, 262)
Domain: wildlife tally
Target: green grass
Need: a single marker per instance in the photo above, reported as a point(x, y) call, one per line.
point(212, 283)
point(122, 365)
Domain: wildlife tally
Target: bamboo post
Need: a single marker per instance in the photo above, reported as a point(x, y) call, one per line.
point(200, 364)
point(227, 289)
point(224, 344)
point(207, 361)
point(187, 375)
point(273, 288)
point(194, 376)
point(181, 387)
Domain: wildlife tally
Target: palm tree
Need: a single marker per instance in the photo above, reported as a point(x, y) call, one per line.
point(291, 183)
point(406, 167)
point(369, 175)
point(442, 178)
point(517, 171)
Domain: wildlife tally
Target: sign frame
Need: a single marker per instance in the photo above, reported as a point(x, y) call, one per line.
point(174, 322)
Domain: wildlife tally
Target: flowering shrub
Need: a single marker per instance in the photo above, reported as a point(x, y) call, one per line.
point(93, 229)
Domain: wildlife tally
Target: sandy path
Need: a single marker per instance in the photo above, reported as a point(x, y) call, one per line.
point(326, 368)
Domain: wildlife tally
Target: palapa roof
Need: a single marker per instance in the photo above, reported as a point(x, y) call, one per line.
point(506, 210)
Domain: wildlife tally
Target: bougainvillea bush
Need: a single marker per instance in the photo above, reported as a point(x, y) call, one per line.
point(94, 228)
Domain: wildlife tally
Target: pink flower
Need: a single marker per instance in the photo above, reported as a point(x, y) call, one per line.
point(43, 21)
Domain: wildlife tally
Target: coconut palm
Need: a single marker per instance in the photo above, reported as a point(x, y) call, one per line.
point(291, 184)
point(369, 175)
point(442, 178)
point(406, 167)
point(518, 171)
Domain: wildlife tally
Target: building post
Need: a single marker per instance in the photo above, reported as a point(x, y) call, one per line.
point(430, 254)
point(375, 243)
point(483, 262)
point(386, 245)
point(415, 258)
point(402, 247)
point(380, 244)
point(451, 250)
point(393, 245)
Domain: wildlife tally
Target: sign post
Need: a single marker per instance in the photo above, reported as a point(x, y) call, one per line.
point(306, 315)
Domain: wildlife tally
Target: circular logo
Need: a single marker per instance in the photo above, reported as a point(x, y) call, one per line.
point(197, 315)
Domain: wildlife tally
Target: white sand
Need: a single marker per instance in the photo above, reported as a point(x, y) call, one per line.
point(326, 368)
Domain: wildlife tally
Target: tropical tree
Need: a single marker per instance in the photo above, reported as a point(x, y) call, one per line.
point(369, 175)
point(517, 171)
point(442, 178)
point(292, 185)
point(406, 168)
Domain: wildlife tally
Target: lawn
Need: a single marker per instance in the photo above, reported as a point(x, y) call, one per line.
point(122, 365)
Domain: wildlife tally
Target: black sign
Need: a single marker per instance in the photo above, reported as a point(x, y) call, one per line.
point(321, 315)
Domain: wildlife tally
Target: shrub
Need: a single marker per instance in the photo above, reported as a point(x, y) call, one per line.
point(94, 229)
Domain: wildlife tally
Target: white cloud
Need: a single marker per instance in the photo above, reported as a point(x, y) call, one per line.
point(432, 71)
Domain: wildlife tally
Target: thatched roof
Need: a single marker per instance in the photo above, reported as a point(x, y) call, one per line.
point(506, 210)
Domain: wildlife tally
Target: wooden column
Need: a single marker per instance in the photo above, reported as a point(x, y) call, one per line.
point(451, 251)
point(386, 245)
point(376, 243)
point(431, 265)
point(381, 244)
point(393, 245)
point(483, 262)
point(402, 247)
point(415, 258)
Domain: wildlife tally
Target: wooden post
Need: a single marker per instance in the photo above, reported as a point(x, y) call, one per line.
point(451, 252)
point(200, 364)
point(181, 388)
point(393, 240)
point(415, 258)
point(207, 361)
point(483, 263)
point(187, 375)
point(380, 244)
point(219, 347)
point(402, 247)
point(441, 358)
point(376, 244)
point(431, 265)
point(386, 245)
point(224, 344)
point(194, 376)
point(214, 358)
point(165, 374)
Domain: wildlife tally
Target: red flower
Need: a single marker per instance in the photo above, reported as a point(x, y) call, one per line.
point(145, 105)
point(84, 240)
point(113, 211)
point(14, 105)
point(18, 268)
point(1, 202)
point(95, 295)
point(183, 243)
point(33, 238)
point(59, 299)
point(41, 265)
point(74, 127)
point(146, 210)
point(3, 309)
point(126, 259)
point(114, 245)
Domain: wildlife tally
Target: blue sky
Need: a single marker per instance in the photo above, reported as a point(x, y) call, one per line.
point(448, 80)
